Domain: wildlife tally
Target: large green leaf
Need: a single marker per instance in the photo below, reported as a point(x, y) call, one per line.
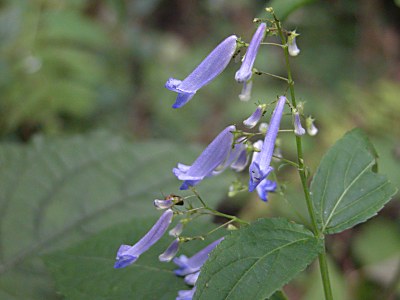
point(256, 261)
point(58, 191)
point(86, 271)
point(345, 190)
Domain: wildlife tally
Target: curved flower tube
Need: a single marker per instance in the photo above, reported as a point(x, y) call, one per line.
point(208, 69)
point(193, 264)
point(245, 71)
point(260, 166)
point(252, 121)
point(127, 255)
point(170, 252)
point(212, 157)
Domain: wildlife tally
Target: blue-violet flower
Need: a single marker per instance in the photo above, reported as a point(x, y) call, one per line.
point(192, 265)
point(127, 255)
point(208, 69)
point(260, 166)
point(252, 121)
point(245, 71)
point(213, 156)
point(264, 188)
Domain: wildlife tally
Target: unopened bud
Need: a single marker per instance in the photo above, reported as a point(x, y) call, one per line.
point(292, 46)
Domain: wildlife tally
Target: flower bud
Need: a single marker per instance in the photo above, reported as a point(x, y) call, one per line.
point(311, 129)
point(292, 46)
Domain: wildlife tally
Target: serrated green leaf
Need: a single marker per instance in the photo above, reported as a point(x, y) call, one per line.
point(283, 8)
point(345, 190)
point(55, 192)
point(257, 260)
point(86, 271)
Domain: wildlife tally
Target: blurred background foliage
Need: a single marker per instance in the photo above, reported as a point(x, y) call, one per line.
point(73, 66)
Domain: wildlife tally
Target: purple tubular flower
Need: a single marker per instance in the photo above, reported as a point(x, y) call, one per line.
point(260, 166)
point(127, 255)
point(252, 121)
point(213, 156)
point(170, 252)
point(264, 187)
point(245, 71)
point(193, 264)
point(186, 294)
point(208, 69)
point(298, 129)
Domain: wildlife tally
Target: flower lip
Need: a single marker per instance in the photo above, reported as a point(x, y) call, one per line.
point(245, 71)
point(205, 72)
point(260, 167)
point(265, 187)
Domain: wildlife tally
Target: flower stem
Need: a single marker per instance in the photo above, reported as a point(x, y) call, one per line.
point(301, 169)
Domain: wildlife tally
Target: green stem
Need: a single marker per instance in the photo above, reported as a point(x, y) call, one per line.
point(301, 169)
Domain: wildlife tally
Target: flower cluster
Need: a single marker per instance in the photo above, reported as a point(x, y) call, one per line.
point(231, 148)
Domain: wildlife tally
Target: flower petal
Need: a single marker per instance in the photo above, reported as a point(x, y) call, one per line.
point(265, 187)
point(245, 71)
point(252, 121)
point(213, 156)
point(206, 71)
point(193, 264)
point(260, 166)
point(127, 255)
